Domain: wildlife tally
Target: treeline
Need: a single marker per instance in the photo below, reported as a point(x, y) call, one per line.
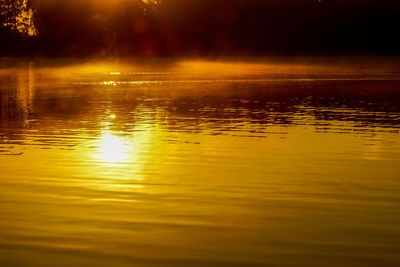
point(200, 27)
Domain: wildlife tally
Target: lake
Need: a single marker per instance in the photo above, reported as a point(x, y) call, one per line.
point(199, 163)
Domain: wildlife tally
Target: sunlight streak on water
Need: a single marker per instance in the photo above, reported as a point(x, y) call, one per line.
point(112, 149)
point(199, 164)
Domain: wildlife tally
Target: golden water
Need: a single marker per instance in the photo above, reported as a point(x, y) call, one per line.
point(199, 163)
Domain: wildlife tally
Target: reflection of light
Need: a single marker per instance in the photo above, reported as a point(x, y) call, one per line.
point(148, 2)
point(112, 149)
point(373, 149)
point(25, 90)
point(110, 83)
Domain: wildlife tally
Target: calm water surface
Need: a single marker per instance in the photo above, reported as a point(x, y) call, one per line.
point(199, 163)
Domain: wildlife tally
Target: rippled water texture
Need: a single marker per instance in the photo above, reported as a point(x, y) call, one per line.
point(198, 164)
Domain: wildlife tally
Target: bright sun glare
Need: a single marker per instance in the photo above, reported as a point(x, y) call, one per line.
point(112, 149)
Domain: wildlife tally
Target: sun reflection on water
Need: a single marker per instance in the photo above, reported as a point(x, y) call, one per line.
point(113, 150)
point(110, 83)
point(120, 169)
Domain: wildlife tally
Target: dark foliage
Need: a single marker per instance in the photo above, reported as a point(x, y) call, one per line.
point(204, 27)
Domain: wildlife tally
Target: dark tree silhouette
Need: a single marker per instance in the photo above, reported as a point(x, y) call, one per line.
point(17, 16)
point(200, 27)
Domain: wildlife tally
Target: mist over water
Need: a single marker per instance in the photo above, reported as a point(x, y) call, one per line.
point(199, 163)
